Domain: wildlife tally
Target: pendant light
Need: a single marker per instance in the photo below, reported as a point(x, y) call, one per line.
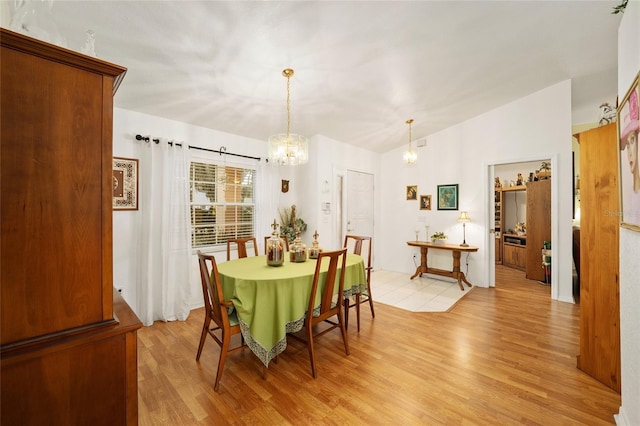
point(410, 156)
point(287, 148)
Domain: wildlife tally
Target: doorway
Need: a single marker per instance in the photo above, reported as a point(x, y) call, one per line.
point(507, 214)
point(359, 203)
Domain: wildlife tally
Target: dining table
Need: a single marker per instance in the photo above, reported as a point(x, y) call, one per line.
point(271, 301)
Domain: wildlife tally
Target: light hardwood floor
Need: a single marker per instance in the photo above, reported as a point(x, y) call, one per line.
point(505, 355)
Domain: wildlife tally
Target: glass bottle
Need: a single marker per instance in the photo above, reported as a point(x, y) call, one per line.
point(298, 250)
point(275, 247)
point(315, 249)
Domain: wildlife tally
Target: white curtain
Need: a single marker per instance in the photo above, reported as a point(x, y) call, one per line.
point(164, 243)
point(267, 190)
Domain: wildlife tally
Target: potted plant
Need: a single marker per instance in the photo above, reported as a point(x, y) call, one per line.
point(439, 238)
point(290, 223)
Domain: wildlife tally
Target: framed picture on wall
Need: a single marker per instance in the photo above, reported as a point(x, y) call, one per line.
point(425, 202)
point(412, 192)
point(125, 184)
point(628, 127)
point(448, 197)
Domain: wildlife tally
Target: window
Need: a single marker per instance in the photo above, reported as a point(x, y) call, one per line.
point(222, 203)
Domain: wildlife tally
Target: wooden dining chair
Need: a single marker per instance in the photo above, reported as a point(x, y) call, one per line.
point(330, 302)
point(284, 238)
point(361, 246)
point(241, 246)
point(217, 310)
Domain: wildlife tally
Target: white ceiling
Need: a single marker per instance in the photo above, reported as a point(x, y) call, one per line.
point(362, 68)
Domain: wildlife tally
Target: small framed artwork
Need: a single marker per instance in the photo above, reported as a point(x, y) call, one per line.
point(412, 192)
point(628, 127)
point(125, 184)
point(448, 197)
point(284, 186)
point(425, 202)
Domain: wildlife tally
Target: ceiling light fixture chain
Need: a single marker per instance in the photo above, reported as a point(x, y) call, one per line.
point(288, 73)
point(410, 156)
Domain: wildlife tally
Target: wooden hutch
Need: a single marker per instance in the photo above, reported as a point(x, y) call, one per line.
point(69, 342)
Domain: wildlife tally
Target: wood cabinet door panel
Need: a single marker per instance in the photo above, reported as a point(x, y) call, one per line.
point(52, 192)
point(599, 255)
point(538, 226)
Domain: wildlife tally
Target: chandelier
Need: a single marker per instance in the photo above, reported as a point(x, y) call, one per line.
point(287, 148)
point(410, 156)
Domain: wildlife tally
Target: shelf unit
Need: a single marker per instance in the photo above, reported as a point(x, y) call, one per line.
point(498, 224)
point(515, 251)
point(510, 248)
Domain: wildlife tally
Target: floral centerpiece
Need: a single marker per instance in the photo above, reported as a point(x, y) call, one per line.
point(290, 223)
point(439, 238)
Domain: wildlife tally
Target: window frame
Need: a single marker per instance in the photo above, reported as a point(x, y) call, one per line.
point(228, 208)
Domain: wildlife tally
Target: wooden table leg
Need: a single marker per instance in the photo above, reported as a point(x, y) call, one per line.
point(456, 270)
point(422, 269)
point(456, 267)
point(465, 279)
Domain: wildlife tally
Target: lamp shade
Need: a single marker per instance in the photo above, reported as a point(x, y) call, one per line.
point(410, 156)
point(464, 217)
point(288, 149)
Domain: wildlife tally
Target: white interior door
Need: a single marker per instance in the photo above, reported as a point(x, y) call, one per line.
point(359, 203)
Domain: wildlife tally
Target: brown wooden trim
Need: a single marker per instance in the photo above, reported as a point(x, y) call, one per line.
point(124, 321)
point(42, 49)
point(107, 198)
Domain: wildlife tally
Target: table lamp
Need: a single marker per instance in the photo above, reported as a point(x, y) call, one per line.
point(464, 218)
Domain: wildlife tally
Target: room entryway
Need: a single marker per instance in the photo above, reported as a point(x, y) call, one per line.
point(520, 220)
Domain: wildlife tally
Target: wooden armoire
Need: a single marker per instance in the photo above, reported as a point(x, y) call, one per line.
point(538, 226)
point(68, 342)
point(599, 255)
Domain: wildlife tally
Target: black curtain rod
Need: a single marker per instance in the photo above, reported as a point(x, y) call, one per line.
point(222, 150)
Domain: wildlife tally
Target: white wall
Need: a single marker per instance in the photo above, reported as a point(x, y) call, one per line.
point(306, 186)
point(462, 154)
point(330, 158)
point(126, 124)
point(628, 68)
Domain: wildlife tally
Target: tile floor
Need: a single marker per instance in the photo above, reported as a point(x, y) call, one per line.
point(422, 294)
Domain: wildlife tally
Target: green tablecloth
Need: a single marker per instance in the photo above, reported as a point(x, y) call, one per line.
point(271, 301)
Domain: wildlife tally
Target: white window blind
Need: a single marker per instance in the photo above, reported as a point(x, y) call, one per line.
point(222, 203)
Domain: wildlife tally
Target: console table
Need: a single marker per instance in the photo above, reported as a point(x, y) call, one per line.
point(455, 249)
